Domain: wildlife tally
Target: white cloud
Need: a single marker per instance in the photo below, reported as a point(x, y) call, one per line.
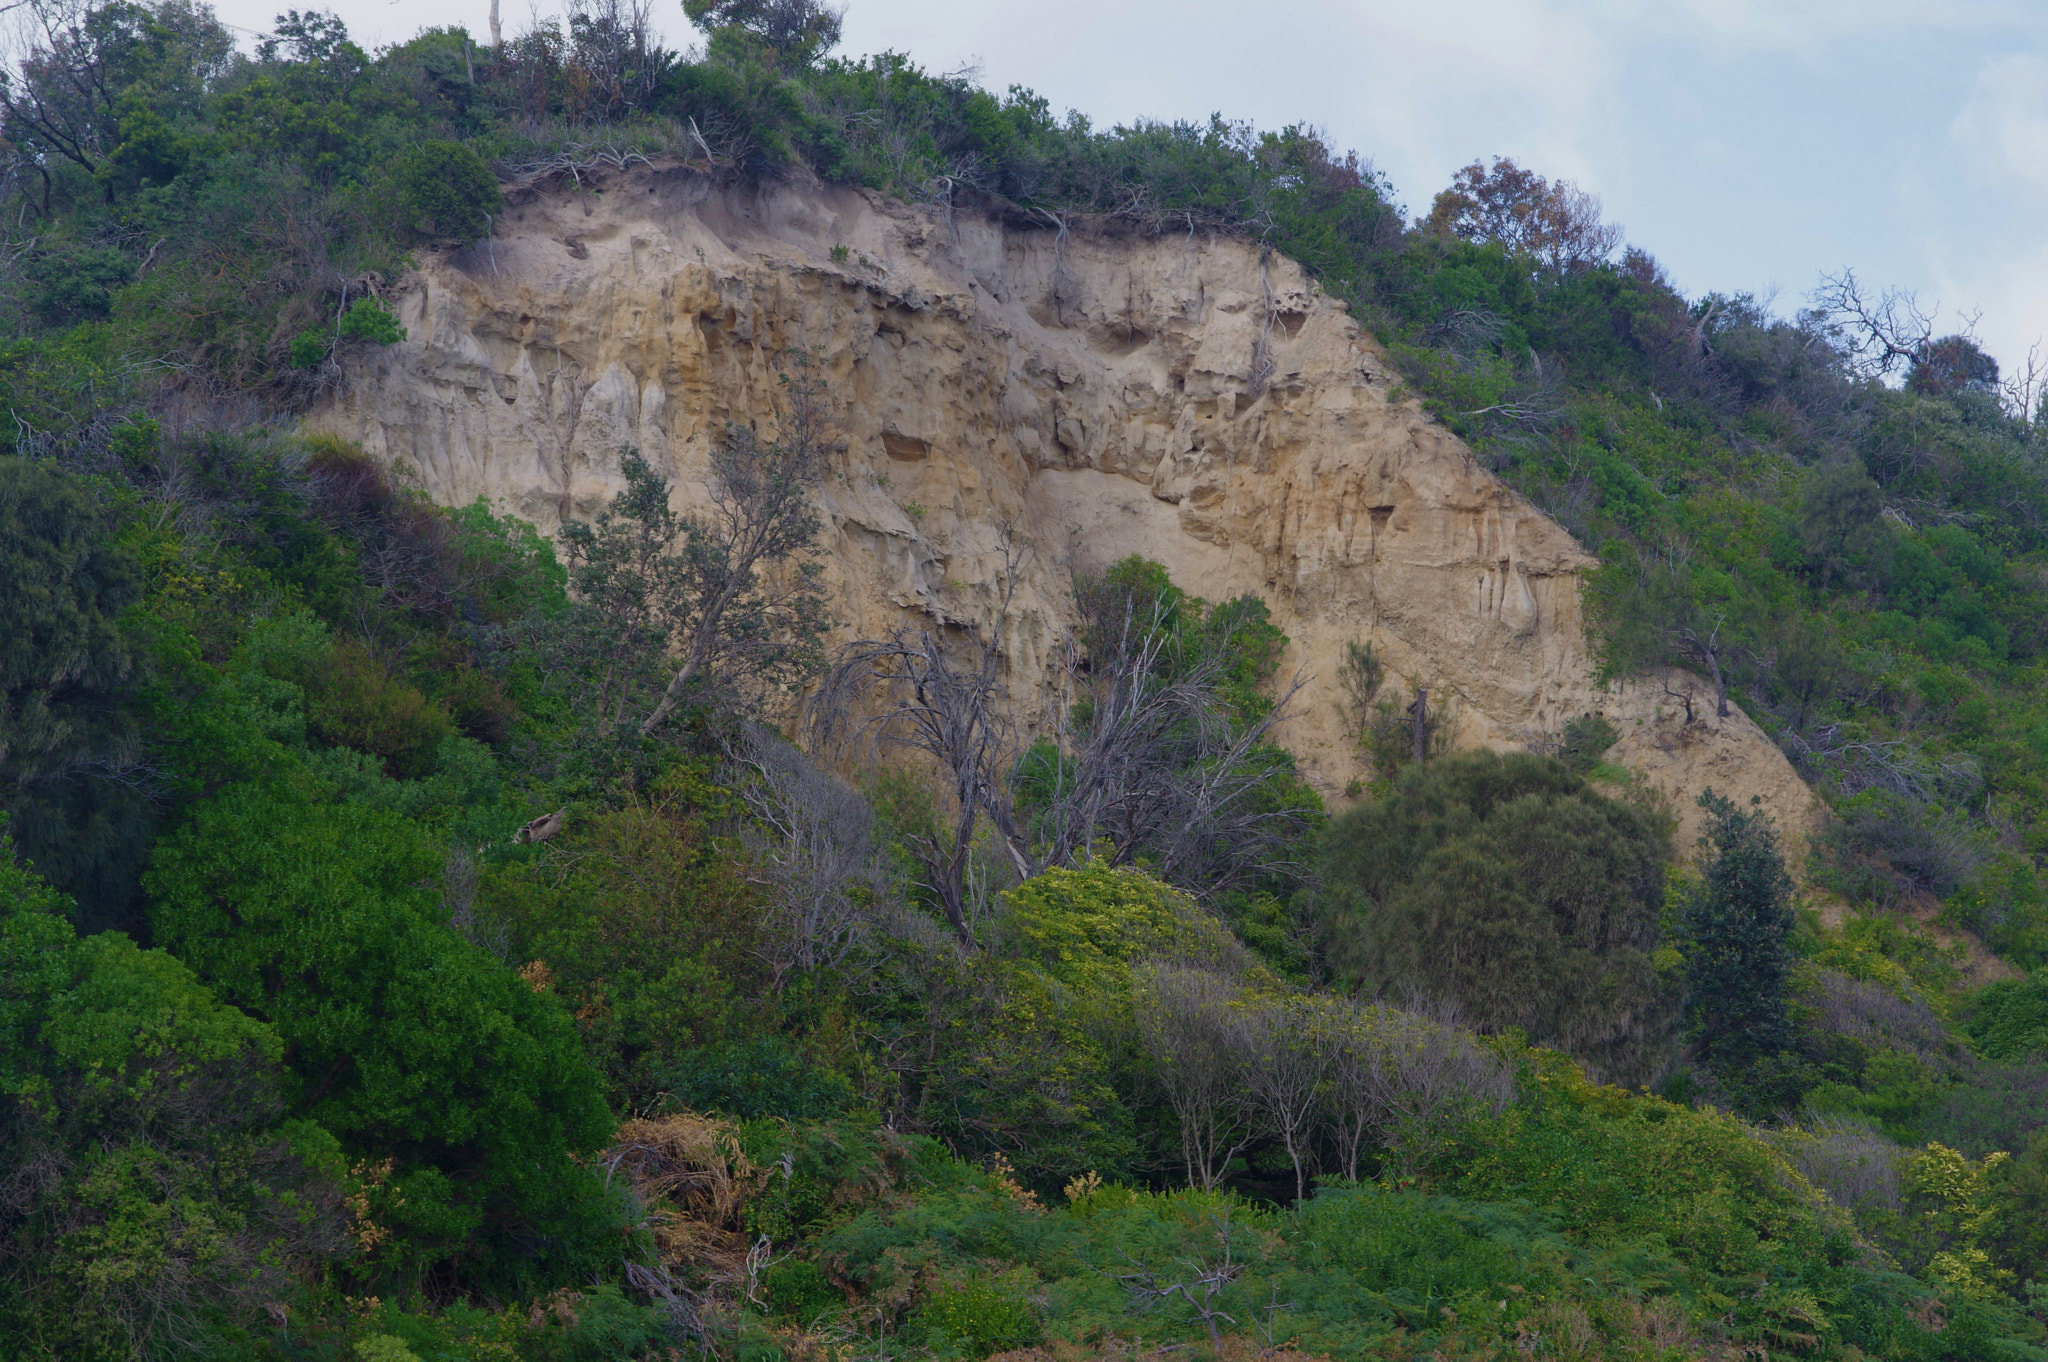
point(2003, 126)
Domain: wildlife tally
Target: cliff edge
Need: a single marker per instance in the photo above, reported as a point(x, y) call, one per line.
point(1105, 393)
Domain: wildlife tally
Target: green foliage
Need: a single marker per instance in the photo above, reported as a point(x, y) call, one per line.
point(445, 190)
point(367, 319)
point(77, 284)
point(648, 931)
point(68, 720)
point(406, 1042)
point(1586, 740)
point(343, 701)
point(1087, 923)
point(762, 1075)
point(154, 1181)
point(2009, 1018)
point(1735, 929)
point(1507, 886)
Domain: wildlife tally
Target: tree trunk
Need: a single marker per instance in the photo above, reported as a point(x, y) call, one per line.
point(1420, 709)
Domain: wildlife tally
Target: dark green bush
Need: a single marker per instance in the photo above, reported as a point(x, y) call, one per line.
point(77, 283)
point(446, 190)
point(1508, 887)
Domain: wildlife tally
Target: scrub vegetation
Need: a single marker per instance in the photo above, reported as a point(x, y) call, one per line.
point(415, 944)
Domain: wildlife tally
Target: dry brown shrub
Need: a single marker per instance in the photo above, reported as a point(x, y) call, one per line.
point(690, 1174)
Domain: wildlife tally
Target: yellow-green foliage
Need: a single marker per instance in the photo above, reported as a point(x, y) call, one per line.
point(1958, 1211)
point(1087, 924)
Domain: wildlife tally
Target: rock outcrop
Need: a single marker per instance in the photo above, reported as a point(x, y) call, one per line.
point(1103, 393)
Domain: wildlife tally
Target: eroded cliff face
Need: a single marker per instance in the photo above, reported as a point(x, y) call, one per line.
point(1103, 394)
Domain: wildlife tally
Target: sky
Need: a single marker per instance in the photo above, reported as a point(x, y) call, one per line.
point(1748, 144)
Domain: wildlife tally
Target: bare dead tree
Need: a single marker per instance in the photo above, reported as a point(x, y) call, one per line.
point(2024, 392)
point(1188, 1028)
point(1878, 334)
point(1159, 765)
point(942, 698)
point(826, 871)
point(1201, 1281)
point(1896, 765)
point(1282, 1068)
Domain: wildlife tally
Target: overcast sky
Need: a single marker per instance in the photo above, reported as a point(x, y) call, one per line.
point(1748, 144)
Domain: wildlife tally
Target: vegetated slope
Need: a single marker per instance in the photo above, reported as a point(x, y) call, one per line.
point(1100, 391)
point(434, 968)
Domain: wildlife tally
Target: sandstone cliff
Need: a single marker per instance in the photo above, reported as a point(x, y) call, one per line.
point(1107, 393)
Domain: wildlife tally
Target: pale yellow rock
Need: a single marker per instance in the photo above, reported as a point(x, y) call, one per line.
point(1106, 393)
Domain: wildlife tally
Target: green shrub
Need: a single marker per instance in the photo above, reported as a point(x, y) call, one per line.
point(2009, 1018)
point(446, 190)
point(982, 1315)
point(152, 1181)
point(1507, 886)
point(424, 1055)
point(77, 283)
point(356, 702)
point(1737, 926)
point(367, 319)
point(762, 1075)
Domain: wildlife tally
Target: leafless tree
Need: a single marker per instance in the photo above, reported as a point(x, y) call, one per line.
point(1424, 1072)
point(941, 697)
point(827, 873)
point(1282, 1068)
point(1161, 766)
point(2024, 392)
point(1187, 1025)
point(1896, 765)
point(1878, 334)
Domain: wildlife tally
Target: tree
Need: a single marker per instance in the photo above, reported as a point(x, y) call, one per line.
point(1874, 334)
point(1649, 613)
point(1506, 886)
point(408, 1043)
point(1397, 1078)
point(152, 1183)
point(797, 31)
point(827, 871)
point(446, 190)
point(1167, 753)
point(66, 98)
point(72, 769)
point(1736, 928)
point(941, 698)
point(729, 596)
point(1839, 519)
point(1559, 224)
point(1283, 1070)
point(1186, 1022)
point(1950, 365)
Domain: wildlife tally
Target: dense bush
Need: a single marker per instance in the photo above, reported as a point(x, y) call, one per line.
point(449, 950)
point(445, 189)
point(413, 1046)
point(1510, 888)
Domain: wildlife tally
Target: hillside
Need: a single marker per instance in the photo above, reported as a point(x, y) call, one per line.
point(763, 705)
point(1107, 393)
